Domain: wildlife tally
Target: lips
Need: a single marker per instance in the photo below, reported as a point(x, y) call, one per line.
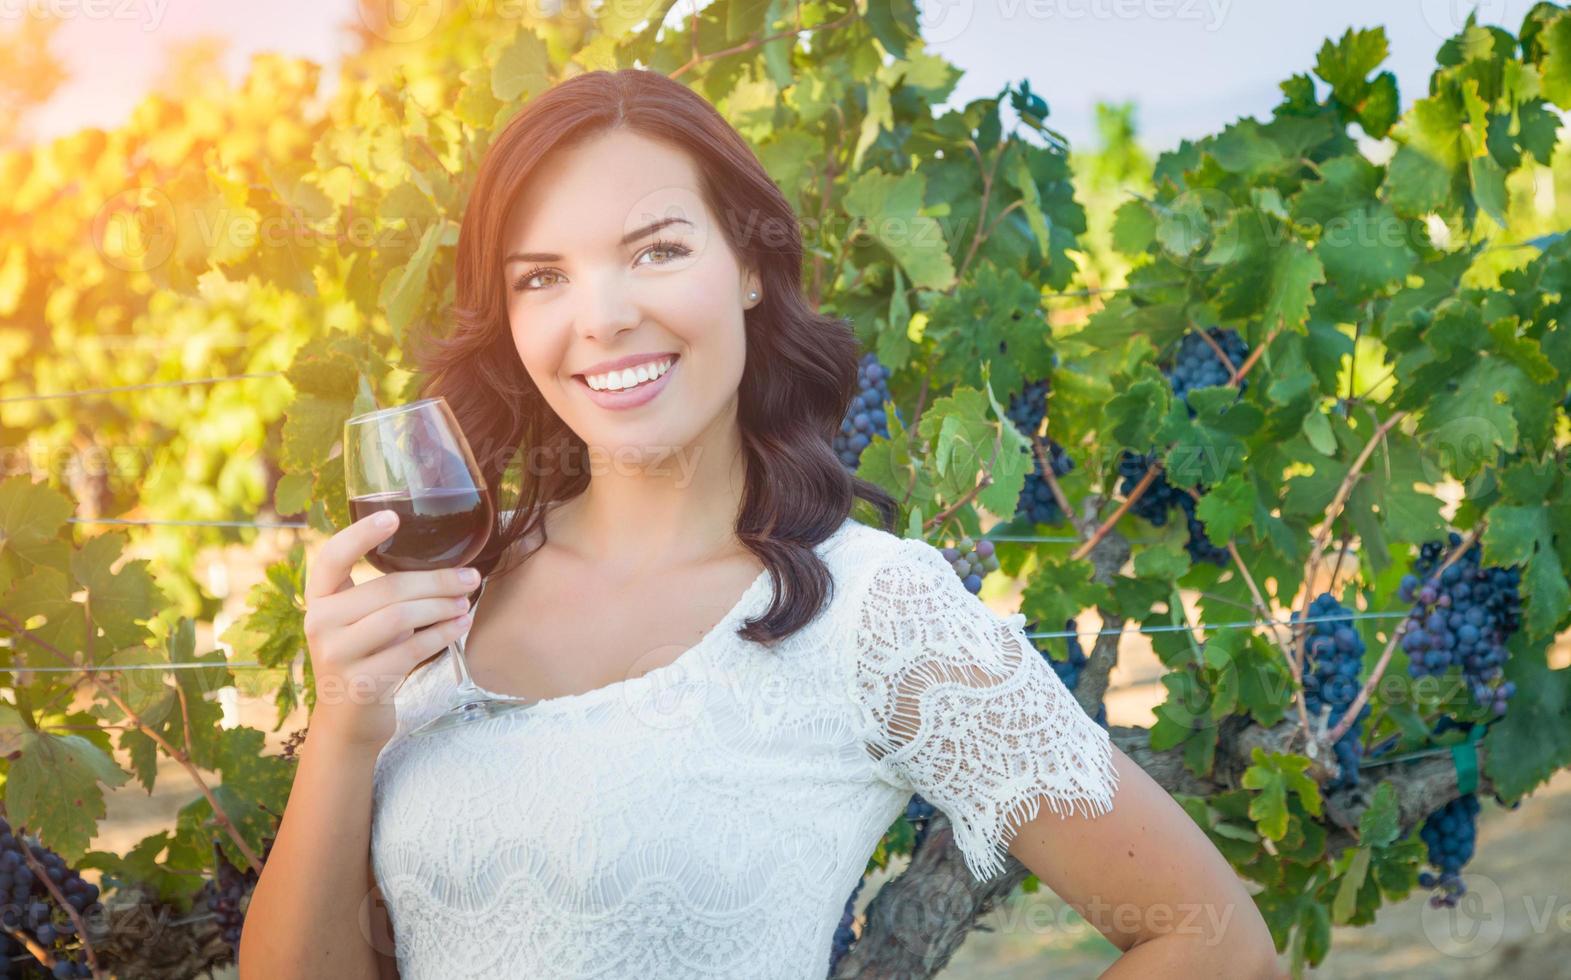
point(633, 397)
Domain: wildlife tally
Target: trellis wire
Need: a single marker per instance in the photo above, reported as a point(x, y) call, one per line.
point(1035, 635)
point(298, 525)
point(112, 389)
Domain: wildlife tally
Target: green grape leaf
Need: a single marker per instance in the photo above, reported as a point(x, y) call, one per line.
point(121, 602)
point(1556, 66)
point(524, 66)
point(31, 516)
point(1346, 902)
point(1379, 825)
point(1532, 741)
point(891, 207)
point(1228, 507)
point(55, 789)
point(46, 592)
point(405, 287)
point(1365, 250)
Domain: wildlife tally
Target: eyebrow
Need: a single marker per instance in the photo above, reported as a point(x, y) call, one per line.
point(631, 236)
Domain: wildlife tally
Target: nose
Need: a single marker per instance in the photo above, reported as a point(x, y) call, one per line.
point(607, 307)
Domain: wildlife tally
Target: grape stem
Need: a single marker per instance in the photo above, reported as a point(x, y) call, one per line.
point(1221, 355)
point(109, 690)
point(1317, 550)
point(1133, 496)
point(1052, 481)
point(938, 519)
point(38, 952)
point(1276, 626)
point(54, 891)
point(987, 174)
point(1396, 634)
point(697, 59)
point(921, 398)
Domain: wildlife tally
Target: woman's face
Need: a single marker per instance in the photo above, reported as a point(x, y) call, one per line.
point(611, 253)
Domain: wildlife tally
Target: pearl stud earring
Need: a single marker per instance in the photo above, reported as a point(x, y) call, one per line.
point(752, 294)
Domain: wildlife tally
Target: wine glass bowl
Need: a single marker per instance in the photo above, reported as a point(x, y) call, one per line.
point(414, 460)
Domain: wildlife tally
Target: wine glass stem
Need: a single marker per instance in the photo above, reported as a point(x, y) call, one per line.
point(466, 684)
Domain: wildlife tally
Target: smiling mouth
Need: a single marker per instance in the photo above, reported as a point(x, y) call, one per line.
point(584, 380)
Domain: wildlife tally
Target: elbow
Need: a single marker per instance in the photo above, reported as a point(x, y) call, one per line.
point(1257, 957)
point(1265, 966)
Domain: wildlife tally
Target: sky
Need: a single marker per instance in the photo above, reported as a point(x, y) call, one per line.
point(1190, 66)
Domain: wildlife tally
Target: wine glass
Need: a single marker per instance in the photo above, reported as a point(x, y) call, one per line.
point(415, 461)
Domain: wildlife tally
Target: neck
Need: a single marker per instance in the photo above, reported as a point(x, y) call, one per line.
point(660, 510)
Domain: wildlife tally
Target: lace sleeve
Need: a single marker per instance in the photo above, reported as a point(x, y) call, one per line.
point(957, 705)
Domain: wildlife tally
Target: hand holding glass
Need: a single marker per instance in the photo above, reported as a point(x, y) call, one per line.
point(415, 461)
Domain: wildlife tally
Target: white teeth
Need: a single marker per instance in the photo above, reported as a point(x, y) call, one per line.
point(618, 380)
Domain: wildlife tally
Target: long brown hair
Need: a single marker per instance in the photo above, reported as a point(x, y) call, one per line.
point(797, 382)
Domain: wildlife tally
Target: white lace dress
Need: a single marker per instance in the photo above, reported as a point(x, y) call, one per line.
point(710, 818)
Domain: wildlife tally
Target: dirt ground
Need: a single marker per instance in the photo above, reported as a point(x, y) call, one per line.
point(1516, 920)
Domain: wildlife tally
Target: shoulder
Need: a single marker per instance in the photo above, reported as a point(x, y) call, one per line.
point(856, 550)
point(871, 565)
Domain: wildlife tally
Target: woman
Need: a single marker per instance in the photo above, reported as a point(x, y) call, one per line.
point(736, 686)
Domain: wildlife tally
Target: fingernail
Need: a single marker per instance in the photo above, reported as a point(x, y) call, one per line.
point(386, 518)
point(469, 576)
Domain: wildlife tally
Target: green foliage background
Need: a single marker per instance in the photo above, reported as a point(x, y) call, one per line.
point(1378, 260)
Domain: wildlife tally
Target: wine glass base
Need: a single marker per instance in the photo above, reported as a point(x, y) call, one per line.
point(469, 713)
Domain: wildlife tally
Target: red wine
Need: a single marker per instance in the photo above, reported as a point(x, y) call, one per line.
point(443, 528)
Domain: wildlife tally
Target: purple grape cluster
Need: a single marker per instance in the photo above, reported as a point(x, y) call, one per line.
point(1196, 364)
point(1462, 618)
point(971, 560)
point(1160, 498)
point(1037, 503)
point(845, 935)
point(1450, 833)
point(1333, 659)
point(1028, 407)
point(865, 418)
point(27, 908)
point(1068, 670)
point(224, 894)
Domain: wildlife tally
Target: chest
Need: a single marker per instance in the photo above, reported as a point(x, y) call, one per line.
point(547, 631)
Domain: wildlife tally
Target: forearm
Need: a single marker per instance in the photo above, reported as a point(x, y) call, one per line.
point(1181, 955)
point(304, 918)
